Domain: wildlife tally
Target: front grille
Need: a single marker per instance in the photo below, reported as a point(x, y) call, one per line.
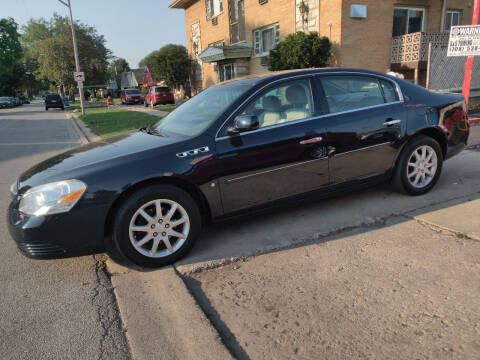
point(41, 249)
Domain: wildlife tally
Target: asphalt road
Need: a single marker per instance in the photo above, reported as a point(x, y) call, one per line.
point(49, 309)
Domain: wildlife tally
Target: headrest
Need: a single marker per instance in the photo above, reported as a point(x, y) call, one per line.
point(296, 95)
point(272, 103)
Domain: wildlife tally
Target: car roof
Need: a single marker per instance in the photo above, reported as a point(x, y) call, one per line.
point(285, 74)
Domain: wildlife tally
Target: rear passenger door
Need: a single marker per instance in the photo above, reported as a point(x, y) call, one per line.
point(365, 122)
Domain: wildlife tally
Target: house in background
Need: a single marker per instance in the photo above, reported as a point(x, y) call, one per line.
point(136, 78)
point(232, 38)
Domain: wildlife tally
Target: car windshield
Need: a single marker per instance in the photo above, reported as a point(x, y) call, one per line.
point(198, 113)
point(132, 92)
point(3, 98)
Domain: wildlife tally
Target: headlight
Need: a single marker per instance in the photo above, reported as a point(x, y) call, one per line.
point(53, 198)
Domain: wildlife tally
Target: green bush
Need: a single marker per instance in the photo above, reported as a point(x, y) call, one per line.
point(300, 51)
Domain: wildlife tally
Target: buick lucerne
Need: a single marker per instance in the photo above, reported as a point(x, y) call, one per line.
point(237, 147)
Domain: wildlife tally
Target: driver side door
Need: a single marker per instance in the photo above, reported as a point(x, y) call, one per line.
point(283, 157)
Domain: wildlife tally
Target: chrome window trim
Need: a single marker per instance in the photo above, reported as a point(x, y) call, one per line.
point(306, 119)
point(230, 181)
point(401, 99)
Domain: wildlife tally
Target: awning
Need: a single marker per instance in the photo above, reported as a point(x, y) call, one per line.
point(218, 53)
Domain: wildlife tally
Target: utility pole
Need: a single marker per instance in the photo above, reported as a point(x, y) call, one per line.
point(75, 51)
point(469, 63)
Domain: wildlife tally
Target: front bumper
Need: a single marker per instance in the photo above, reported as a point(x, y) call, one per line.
point(55, 236)
point(134, 101)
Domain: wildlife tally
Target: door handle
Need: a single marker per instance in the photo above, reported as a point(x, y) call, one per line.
point(391, 122)
point(311, 141)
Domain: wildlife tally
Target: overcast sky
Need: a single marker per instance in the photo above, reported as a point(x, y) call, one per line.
point(132, 28)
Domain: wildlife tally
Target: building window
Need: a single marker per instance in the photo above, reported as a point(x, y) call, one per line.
point(408, 20)
point(452, 18)
point(266, 39)
point(237, 21)
point(226, 72)
point(214, 7)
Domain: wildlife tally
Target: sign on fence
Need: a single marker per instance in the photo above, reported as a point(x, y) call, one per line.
point(464, 41)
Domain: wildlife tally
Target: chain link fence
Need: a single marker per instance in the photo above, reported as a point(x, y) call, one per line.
point(446, 73)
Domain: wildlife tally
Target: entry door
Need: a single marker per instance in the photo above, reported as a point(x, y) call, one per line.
point(366, 121)
point(284, 157)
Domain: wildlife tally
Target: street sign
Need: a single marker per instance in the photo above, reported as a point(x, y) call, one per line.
point(79, 76)
point(80, 84)
point(464, 41)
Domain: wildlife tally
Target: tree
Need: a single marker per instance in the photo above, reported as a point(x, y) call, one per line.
point(117, 66)
point(50, 44)
point(300, 51)
point(11, 69)
point(170, 64)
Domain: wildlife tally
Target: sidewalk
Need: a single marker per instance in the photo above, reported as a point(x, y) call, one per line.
point(409, 289)
point(147, 110)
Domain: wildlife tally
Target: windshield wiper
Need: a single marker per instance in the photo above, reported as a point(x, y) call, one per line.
point(147, 130)
point(150, 131)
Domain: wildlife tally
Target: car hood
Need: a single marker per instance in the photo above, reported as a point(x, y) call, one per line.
point(111, 149)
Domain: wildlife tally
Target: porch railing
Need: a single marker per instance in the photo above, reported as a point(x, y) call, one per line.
point(411, 50)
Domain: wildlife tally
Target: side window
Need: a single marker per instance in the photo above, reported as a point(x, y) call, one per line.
point(345, 93)
point(283, 103)
point(389, 91)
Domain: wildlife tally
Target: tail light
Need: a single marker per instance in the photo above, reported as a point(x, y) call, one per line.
point(454, 118)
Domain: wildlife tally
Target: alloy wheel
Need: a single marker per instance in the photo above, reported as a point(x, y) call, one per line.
point(159, 228)
point(422, 166)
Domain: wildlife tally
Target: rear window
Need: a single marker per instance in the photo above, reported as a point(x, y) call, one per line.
point(162, 89)
point(132, 92)
point(53, 97)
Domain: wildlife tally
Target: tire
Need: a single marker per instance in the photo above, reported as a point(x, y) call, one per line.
point(426, 173)
point(145, 103)
point(63, 108)
point(147, 199)
point(46, 109)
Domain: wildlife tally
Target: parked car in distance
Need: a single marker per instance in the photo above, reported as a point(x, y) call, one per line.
point(159, 95)
point(6, 102)
point(53, 101)
point(17, 101)
point(131, 96)
point(24, 100)
point(238, 147)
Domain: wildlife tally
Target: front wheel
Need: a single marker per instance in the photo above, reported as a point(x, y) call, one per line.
point(419, 166)
point(156, 225)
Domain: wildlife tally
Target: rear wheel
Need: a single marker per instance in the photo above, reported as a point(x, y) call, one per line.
point(46, 108)
point(419, 166)
point(156, 225)
point(145, 103)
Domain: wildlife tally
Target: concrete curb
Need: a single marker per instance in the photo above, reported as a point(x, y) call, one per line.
point(162, 319)
point(87, 135)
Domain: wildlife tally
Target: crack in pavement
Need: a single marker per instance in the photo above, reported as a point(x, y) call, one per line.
point(108, 315)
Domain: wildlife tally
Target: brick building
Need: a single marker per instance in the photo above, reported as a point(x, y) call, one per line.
point(232, 38)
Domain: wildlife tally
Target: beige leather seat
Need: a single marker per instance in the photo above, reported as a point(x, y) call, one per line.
point(298, 99)
point(272, 111)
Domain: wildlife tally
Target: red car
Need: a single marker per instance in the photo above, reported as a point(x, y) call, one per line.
point(159, 95)
point(131, 96)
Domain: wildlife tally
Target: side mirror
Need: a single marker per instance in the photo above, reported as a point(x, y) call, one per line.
point(244, 123)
